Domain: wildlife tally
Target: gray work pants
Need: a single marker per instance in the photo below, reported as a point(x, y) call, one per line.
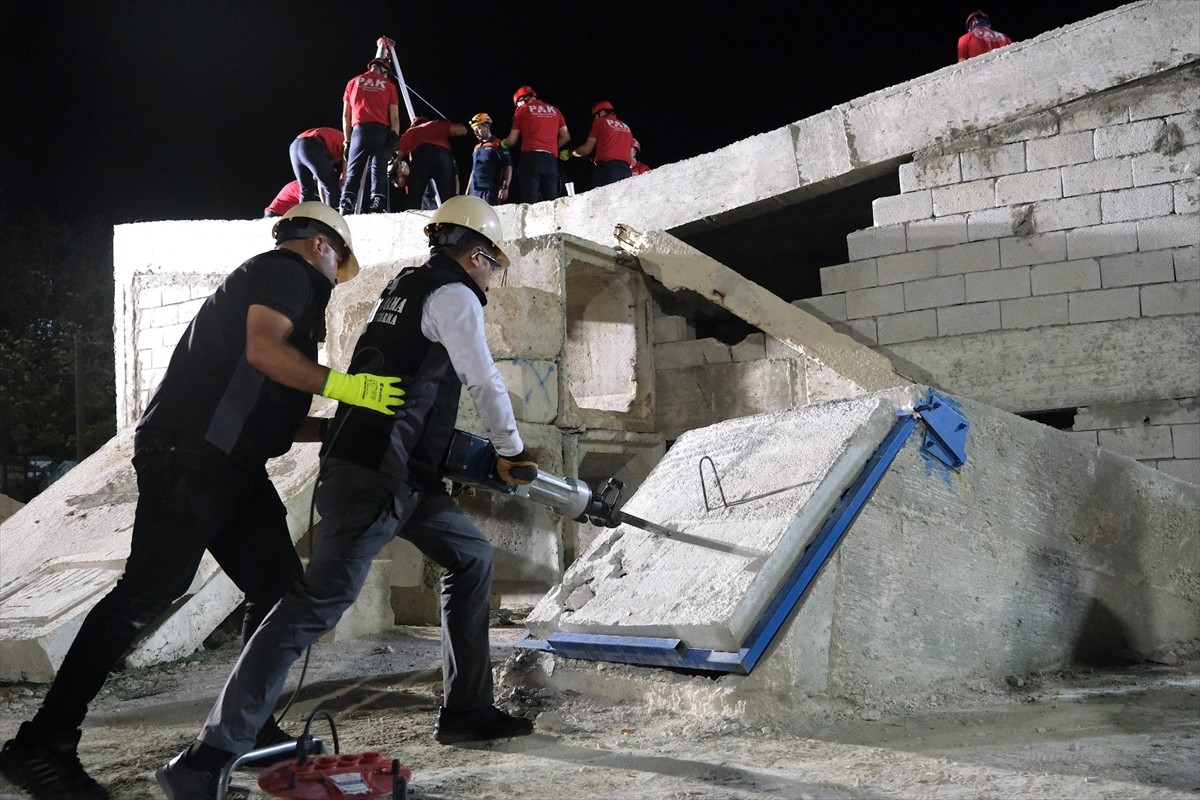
point(361, 510)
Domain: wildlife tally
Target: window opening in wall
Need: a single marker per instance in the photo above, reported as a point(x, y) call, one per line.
point(1062, 419)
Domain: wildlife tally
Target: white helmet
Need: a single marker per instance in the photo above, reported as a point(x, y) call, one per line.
point(468, 212)
point(331, 219)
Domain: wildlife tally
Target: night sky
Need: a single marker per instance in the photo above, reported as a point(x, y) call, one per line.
point(125, 110)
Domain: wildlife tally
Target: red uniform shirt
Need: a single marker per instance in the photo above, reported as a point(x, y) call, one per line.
point(435, 132)
point(330, 137)
point(288, 197)
point(538, 123)
point(371, 97)
point(979, 41)
point(613, 138)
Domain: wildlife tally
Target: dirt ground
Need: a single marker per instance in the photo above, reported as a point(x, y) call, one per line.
point(1133, 733)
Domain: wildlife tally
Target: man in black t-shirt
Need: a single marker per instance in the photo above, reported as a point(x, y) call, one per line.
point(236, 392)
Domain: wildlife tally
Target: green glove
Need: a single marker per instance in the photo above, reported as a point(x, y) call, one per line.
point(565, 153)
point(375, 392)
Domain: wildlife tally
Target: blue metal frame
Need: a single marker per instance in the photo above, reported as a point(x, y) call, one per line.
point(665, 652)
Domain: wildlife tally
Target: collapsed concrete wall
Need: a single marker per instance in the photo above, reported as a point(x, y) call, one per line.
point(1050, 263)
point(66, 549)
point(1040, 552)
point(596, 404)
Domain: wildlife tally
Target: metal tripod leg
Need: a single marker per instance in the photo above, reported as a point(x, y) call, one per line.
point(315, 747)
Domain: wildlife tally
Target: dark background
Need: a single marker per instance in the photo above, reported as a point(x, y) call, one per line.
point(124, 110)
point(119, 111)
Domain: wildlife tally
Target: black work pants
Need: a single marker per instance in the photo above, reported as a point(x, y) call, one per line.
point(430, 163)
point(368, 155)
point(313, 165)
point(537, 177)
point(191, 498)
point(607, 172)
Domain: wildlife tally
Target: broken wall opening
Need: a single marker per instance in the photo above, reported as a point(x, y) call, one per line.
point(601, 339)
point(783, 249)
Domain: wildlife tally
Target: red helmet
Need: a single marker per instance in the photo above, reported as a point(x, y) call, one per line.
point(978, 15)
point(381, 62)
point(603, 105)
point(524, 91)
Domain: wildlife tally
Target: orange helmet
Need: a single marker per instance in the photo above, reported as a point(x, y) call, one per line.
point(524, 91)
point(603, 105)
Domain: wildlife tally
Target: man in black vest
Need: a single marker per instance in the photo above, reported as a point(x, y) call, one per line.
point(236, 392)
point(380, 479)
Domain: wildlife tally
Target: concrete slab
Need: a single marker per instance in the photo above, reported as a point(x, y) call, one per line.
point(1042, 553)
point(781, 475)
point(67, 548)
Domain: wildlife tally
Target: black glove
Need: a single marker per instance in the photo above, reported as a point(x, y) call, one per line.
point(517, 470)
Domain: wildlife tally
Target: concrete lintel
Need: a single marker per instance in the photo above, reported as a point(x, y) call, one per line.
point(678, 266)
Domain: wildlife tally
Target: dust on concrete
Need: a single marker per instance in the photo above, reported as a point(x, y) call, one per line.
point(1128, 733)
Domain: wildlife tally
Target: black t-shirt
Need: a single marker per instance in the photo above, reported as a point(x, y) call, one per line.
point(211, 392)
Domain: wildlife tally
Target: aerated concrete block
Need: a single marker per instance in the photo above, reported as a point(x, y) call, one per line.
point(1066, 276)
point(677, 355)
point(1097, 176)
point(1171, 298)
point(686, 401)
point(1104, 304)
point(1001, 284)
point(1173, 231)
point(1127, 139)
point(961, 197)
point(1139, 203)
point(1135, 269)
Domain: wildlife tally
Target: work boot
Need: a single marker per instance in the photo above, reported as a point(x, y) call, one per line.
point(478, 725)
point(182, 782)
point(48, 770)
point(378, 204)
point(346, 208)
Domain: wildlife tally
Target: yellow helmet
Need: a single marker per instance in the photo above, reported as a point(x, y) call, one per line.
point(468, 212)
point(480, 119)
point(326, 216)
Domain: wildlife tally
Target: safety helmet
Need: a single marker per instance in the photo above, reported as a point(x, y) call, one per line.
point(418, 120)
point(524, 91)
point(480, 119)
point(603, 105)
point(467, 212)
point(329, 220)
point(381, 62)
point(980, 18)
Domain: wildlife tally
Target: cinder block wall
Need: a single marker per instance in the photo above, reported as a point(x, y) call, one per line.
point(1051, 263)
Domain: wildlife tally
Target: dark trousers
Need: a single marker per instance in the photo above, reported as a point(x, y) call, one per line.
point(368, 155)
point(492, 196)
point(312, 164)
point(191, 498)
point(537, 177)
point(607, 172)
point(361, 511)
point(430, 162)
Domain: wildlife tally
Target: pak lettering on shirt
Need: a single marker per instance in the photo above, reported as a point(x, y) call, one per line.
point(371, 97)
point(614, 140)
point(538, 123)
point(980, 41)
point(330, 137)
point(435, 132)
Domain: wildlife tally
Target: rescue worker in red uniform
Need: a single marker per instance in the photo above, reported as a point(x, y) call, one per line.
point(288, 198)
point(638, 167)
point(612, 143)
point(491, 164)
point(426, 144)
point(317, 159)
point(541, 130)
point(371, 125)
point(980, 38)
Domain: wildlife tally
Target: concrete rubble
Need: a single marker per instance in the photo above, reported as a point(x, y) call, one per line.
point(1006, 272)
